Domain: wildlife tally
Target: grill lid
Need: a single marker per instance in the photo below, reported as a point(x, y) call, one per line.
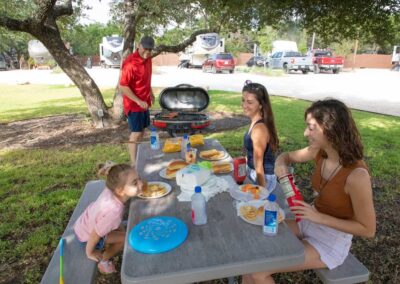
point(184, 97)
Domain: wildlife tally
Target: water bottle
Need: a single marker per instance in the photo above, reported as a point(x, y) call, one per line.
point(154, 140)
point(185, 141)
point(199, 214)
point(270, 226)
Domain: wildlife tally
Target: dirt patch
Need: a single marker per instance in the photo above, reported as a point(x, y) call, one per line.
point(76, 130)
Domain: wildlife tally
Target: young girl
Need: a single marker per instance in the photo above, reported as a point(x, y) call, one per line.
point(261, 141)
point(99, 225)
point(344, 205)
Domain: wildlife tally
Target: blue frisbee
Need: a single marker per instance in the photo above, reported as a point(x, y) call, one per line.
point(158, 234)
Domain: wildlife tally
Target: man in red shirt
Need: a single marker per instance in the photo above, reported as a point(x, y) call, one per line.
point(135, 84)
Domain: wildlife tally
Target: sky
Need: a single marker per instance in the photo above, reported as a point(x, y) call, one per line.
point(99, 12)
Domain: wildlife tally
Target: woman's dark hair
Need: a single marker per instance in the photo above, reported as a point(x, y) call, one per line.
point(266, 111)
point(339, 128)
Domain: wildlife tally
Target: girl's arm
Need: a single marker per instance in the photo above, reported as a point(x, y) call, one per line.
point(91, 253)
point(299, 156)
point(260, 138)
point(363, 224)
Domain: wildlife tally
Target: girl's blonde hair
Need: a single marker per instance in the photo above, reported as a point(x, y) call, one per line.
point(116, 174)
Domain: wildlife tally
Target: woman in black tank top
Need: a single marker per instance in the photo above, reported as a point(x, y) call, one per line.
point(261, 141)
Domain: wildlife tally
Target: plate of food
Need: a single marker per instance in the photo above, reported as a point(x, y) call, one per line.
point(221, 167)
point(155, 189)
point(213, 155)
point(173, 167)
point(247, 192)
point(253, 212)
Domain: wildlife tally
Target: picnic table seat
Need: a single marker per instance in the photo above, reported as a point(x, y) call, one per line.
point(351, 271)
point(77, 267)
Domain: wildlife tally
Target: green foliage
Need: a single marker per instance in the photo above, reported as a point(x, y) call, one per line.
point(85, 39)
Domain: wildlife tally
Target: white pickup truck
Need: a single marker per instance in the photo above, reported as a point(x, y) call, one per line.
point(291, 60)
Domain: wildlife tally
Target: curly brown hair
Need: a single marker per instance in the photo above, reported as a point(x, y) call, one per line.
point(339, 128)
point(262, 96)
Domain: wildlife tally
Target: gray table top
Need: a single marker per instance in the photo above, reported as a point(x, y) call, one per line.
point(225, 246)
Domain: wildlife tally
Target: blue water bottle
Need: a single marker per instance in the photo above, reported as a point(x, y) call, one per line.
point(185, 141)
point(154, 139)
point(270, 226)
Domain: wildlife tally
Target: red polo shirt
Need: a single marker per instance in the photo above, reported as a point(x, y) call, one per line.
point(136, 74)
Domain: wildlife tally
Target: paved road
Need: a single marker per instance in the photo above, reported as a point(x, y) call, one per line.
point(375, 90)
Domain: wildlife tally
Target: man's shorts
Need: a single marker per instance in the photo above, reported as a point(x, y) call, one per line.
point(138, 121)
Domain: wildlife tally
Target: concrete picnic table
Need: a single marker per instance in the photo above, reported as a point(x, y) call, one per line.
point(226, 246)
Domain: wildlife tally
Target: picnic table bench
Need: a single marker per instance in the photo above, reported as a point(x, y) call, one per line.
point(77, 267)
point(351, 271)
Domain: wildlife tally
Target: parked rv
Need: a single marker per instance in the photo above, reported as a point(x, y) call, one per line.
point(396, 54)
point(283, 45)
point(111, 51)
point(291, 60)
point(39, 52)
point(204, 46)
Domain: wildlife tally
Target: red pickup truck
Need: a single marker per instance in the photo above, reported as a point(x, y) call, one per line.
point(324, 60)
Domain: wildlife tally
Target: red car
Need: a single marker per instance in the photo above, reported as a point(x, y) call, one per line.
point(219, 62)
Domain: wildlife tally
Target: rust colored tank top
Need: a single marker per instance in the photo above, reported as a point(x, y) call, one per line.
point(332, 199)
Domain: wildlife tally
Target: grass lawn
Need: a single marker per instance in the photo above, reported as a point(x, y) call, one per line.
point(39, 188)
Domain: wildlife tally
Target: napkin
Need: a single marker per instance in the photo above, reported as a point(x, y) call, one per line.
point(209, 189)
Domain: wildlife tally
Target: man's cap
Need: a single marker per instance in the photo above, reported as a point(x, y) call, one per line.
point(147, 42)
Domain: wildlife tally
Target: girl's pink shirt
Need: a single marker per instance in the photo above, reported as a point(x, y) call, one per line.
point(103, 215)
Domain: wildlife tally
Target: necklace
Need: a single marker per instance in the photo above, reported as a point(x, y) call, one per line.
point(323, 184)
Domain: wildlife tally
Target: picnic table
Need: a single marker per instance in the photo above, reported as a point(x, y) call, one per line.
point(226, 246)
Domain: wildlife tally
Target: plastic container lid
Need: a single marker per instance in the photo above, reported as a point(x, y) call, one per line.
point(197, 189)
point(272, 197)
point(185, 136)
point(153, 128)
point(158, 234)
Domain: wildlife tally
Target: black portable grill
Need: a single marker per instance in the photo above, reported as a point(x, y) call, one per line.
point(182, 108)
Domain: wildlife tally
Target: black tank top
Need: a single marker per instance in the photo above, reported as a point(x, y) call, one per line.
point(268, 159)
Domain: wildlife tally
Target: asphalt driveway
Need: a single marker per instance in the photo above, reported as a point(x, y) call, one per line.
point(375, 90)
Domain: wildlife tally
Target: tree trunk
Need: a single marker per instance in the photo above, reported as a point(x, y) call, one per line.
point(77, 73)
point(131, 19)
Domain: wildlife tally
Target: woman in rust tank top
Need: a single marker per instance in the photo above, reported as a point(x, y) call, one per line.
point(343, 206)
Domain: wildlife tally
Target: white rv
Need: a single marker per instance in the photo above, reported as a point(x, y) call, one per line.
point(283, 45)
point(38, 52)
point(111, 51)
point(204, 46)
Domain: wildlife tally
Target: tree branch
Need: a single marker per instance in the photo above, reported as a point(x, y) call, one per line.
point(14, 25)
point(63, 10)
point(182, 45)
point(45, 7)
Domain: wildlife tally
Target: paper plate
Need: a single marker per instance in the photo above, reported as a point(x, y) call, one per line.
point(238, 194)
point(226, 155)
point(157, 235)
point(259, 220)
point(163, 174)
point(167, 187)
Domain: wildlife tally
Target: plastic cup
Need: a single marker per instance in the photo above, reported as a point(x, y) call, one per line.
point(191, 156)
